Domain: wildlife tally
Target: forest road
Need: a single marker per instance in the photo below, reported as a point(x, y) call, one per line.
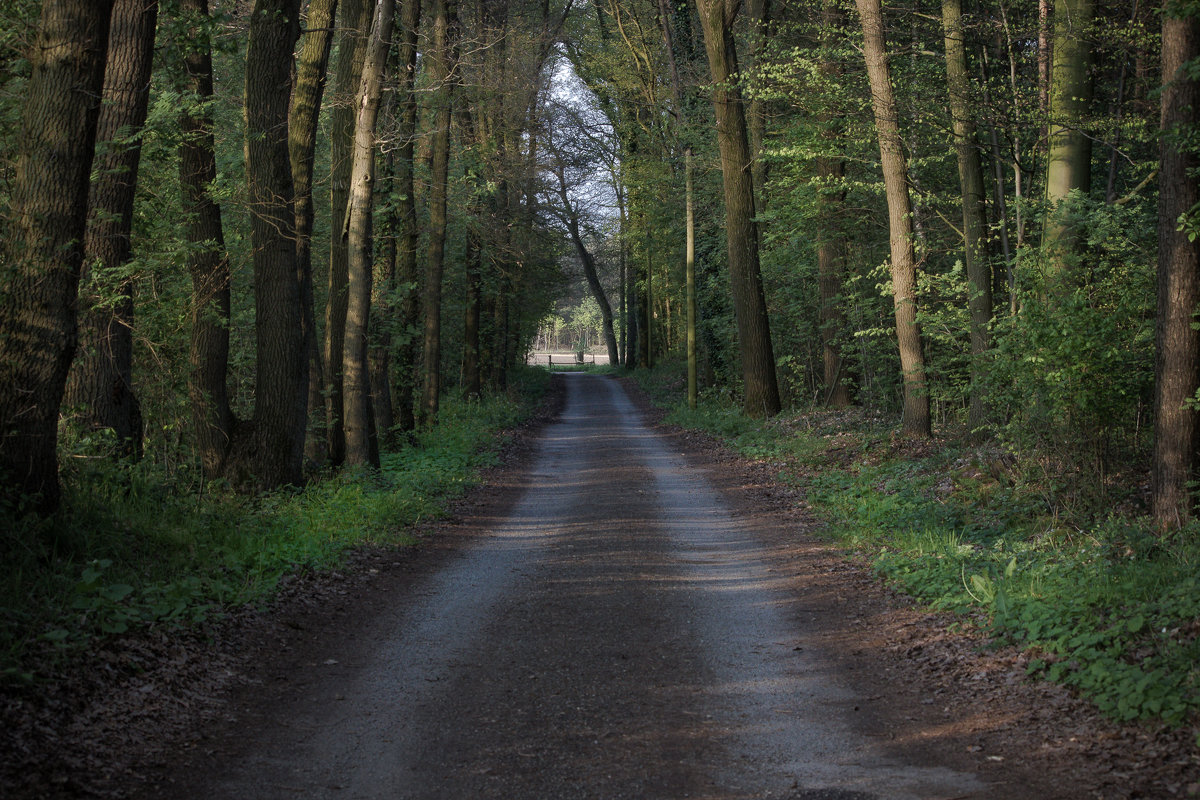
point(620, 632)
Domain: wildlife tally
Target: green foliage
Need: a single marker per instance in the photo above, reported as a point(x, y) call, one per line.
point(133, 550)
point(1072, 372)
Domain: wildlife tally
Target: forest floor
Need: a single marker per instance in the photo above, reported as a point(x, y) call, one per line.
point(583, 662)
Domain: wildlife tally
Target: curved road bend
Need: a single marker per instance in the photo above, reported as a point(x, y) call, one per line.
point(618, 635)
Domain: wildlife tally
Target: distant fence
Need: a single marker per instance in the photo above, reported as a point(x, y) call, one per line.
point(553, 360)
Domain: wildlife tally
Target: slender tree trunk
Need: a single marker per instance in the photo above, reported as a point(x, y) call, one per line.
point(629, 300)
point(974, 209)
point(44, 253)
point(406, 345)
point(353, 22)
point(1177, 366)
point(442, 70)
point(100, 383)
point(1070, 157)
point(831, 239)
point(759, 12)
point(356, 369)
point(589, 271)
point(690, 271)
point(207, 260)
point(383, 301)
point(754, 332)
point(303, 117)
point(916, 419)
point(274, 456)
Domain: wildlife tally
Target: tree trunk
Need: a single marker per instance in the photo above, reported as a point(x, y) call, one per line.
point(274, 454)
point(974, 210)
point(442, 70)
point(689, 258)
point(43, 254)
point(1069, 163)
point(589, 271)
point(1177, 366)
point(356, 369)
point(406, 347)
point(353, 21)
point(207, 261)
point(831, 239)
point(100, 383)
point(303, 117)
point(758, 12)
point(383, 320)
point(895, 178)
point(754, 332)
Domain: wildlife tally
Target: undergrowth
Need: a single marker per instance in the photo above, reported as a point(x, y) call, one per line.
point(1100, 601)
point(131, 550)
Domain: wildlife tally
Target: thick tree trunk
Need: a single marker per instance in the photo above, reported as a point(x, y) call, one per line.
point(274, 455)
point(100, 384)
point(356, 369)
point(442, 70)
point(1069, 164)
point(353, 21)
point(303, 117)
point(44, 253)
point(895, 178)
point(974, 209)
point(1177, 366)
point(407, 343)
point(754, 332)
point(207, 261)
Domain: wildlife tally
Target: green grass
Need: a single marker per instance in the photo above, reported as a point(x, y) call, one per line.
point(130, 550)
point(1103, 603)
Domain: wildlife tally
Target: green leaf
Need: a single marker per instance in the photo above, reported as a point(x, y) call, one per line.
point(116, 592)
point(1135, 624)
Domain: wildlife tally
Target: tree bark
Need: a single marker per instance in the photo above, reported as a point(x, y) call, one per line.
point(357, 372)
point(353, 21)
point(754, 333)
point(44, 253)
point(207, 260)
point(100, 383)
point(442, 58)
point(689, 259)
point(303, 117)
point(589, 271)
point(1177, 365)
point(1069, 163)
point(831, 238)
point(916, 419)
point(274, 454)
point(974, 209)
point(406, 346)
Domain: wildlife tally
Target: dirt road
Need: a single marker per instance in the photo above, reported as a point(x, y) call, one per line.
point(622, 630)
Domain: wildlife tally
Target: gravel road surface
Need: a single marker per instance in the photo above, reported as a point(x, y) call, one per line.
point(619, 633)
